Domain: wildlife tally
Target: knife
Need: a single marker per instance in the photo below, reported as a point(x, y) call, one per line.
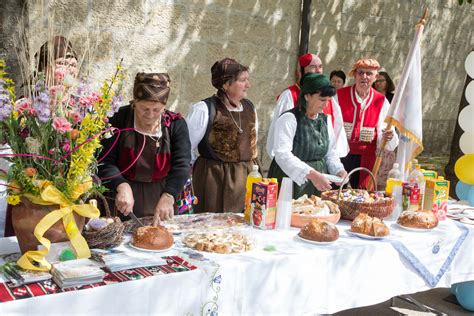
point(135, 218)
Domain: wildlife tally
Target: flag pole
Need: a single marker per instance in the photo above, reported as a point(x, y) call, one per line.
point(398, 92)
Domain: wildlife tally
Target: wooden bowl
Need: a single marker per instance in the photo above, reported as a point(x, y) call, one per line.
point(299, 220)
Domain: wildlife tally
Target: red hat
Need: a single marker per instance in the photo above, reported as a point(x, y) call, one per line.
point(305, 59)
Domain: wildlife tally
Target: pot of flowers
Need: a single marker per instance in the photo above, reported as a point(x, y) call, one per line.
point(54, 135)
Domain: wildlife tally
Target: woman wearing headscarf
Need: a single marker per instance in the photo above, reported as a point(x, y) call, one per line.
point(224, 130)
point(305, 145)
point(149, 164)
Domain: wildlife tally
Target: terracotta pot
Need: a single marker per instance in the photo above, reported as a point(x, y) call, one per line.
point(26, 215)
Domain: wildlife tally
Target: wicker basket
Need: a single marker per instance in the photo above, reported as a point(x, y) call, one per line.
point(350, 210)
point(108, 237)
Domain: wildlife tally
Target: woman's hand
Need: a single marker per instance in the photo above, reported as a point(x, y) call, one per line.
point(164, 209)
point(124, 199)
point(387, 134)
point(319, 181)
point(342, 174)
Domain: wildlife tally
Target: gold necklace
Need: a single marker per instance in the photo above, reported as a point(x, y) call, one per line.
point(156, 140)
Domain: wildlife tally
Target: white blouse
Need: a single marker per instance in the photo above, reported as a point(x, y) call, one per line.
point(284, 103)
point(197, 120)
point(297, 170)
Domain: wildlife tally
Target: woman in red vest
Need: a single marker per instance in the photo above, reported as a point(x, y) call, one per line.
point(363, 112)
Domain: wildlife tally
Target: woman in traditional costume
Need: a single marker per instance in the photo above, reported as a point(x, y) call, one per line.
point(363, 112)
point(224, 129)
point(149, 164)
point(305, 144)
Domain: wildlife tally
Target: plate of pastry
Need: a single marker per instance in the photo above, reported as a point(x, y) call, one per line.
point(412, 229)
point(368, 227)
point(364, 236)
point(152, 239)
point(321, 243)
point(418, 221)
point(131, 245)
point(319, 232)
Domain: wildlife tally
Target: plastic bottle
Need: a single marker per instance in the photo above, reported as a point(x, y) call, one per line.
point(394, 189)
point(417, 177)
point(254, 176)
point(394, 177)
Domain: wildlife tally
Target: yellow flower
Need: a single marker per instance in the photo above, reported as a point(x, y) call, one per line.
point(13, 199)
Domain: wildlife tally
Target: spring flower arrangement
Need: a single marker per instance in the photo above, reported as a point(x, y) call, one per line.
point(54, 136)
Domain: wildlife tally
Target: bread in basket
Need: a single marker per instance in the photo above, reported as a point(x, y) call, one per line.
point(351, 202)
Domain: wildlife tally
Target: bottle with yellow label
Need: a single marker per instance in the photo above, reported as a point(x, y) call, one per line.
point(253, 177)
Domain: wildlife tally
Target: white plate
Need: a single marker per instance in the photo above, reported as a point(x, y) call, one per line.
point(466, 220)
point(149, 250)
point(364, 236)
point(321, 243)
point(455, 216)
point(454, 211)
point(469, 212)
point(413, 229)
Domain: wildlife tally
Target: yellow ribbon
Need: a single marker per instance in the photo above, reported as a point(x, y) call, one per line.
point(51, 195)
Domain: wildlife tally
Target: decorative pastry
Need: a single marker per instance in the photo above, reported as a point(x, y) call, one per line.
point(153, 238)
point(372, 226)
point(219, 242)
point(418, 219)
point(319, 230)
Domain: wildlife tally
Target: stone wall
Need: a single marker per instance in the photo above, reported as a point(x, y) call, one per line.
point(10, 12)
point(185, 37)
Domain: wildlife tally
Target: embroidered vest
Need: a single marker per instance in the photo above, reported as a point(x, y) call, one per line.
point(311, 141)
point(224, 139)
point(360, 125)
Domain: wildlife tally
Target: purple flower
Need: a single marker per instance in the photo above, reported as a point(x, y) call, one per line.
point(5, 105)
point(114, 107)
point(41, 106)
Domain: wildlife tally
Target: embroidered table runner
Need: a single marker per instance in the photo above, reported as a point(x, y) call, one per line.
point(173, 264)
point(433, 255)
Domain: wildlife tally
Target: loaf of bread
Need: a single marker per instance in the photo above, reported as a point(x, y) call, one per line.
point(367, 225)
point(418, 219)
point(153, 238)
point(319, 230)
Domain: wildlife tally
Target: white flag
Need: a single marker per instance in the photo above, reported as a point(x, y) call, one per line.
point(406, 112)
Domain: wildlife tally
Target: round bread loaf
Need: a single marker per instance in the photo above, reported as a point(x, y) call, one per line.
point(418, 219)
point(319, 230)
point(153, 238)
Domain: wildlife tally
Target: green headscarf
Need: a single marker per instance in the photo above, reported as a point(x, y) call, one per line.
point(311, 83)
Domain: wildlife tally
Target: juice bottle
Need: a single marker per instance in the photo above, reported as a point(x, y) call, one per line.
point(254, 176)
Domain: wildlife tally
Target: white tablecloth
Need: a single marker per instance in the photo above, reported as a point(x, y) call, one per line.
point(298, 278)
point(301, 278)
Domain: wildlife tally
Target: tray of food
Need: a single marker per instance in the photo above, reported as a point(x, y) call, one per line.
point(193, 222)
point(305, 209)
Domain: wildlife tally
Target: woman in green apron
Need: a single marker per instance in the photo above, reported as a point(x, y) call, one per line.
point(304, 145)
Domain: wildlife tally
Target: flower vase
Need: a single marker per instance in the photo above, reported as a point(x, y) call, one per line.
point(25, 217)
